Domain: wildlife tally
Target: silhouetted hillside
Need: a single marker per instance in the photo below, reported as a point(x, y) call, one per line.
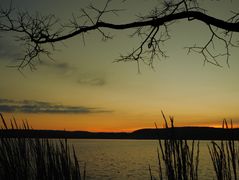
point(196, 133)
point(200, 133)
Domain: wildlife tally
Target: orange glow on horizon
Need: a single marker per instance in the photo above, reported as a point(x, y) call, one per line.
point(97, 122)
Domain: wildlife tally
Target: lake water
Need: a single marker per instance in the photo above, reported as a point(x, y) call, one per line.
point(128, 159)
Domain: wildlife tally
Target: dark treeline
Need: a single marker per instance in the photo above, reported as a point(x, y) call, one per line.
point(190, 133)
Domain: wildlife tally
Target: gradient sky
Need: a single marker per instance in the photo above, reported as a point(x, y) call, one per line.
point(82, 89)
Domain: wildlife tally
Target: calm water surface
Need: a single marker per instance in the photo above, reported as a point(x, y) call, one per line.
point(128, 159)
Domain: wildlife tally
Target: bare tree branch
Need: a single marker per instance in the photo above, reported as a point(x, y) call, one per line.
point(38, 30)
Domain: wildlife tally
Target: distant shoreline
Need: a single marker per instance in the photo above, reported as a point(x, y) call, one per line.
point(189, 133)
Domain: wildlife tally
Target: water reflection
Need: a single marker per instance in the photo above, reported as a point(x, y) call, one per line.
point(128, 159)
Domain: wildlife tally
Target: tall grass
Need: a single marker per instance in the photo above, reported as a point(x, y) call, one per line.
point(36, 159)
point(225, 157)
point(180, 161)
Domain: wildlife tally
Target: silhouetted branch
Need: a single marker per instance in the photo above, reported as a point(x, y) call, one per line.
point(37, 31)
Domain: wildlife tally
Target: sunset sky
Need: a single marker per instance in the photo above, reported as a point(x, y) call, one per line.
point(83, 89)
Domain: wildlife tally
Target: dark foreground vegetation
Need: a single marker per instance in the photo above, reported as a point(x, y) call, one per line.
point(180, 161)
point(180, 157)
point(28, 157)
point(36, 159)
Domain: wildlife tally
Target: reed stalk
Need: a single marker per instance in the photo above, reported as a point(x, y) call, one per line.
point(180, 162)
point(36, 159)
point(225, 157)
